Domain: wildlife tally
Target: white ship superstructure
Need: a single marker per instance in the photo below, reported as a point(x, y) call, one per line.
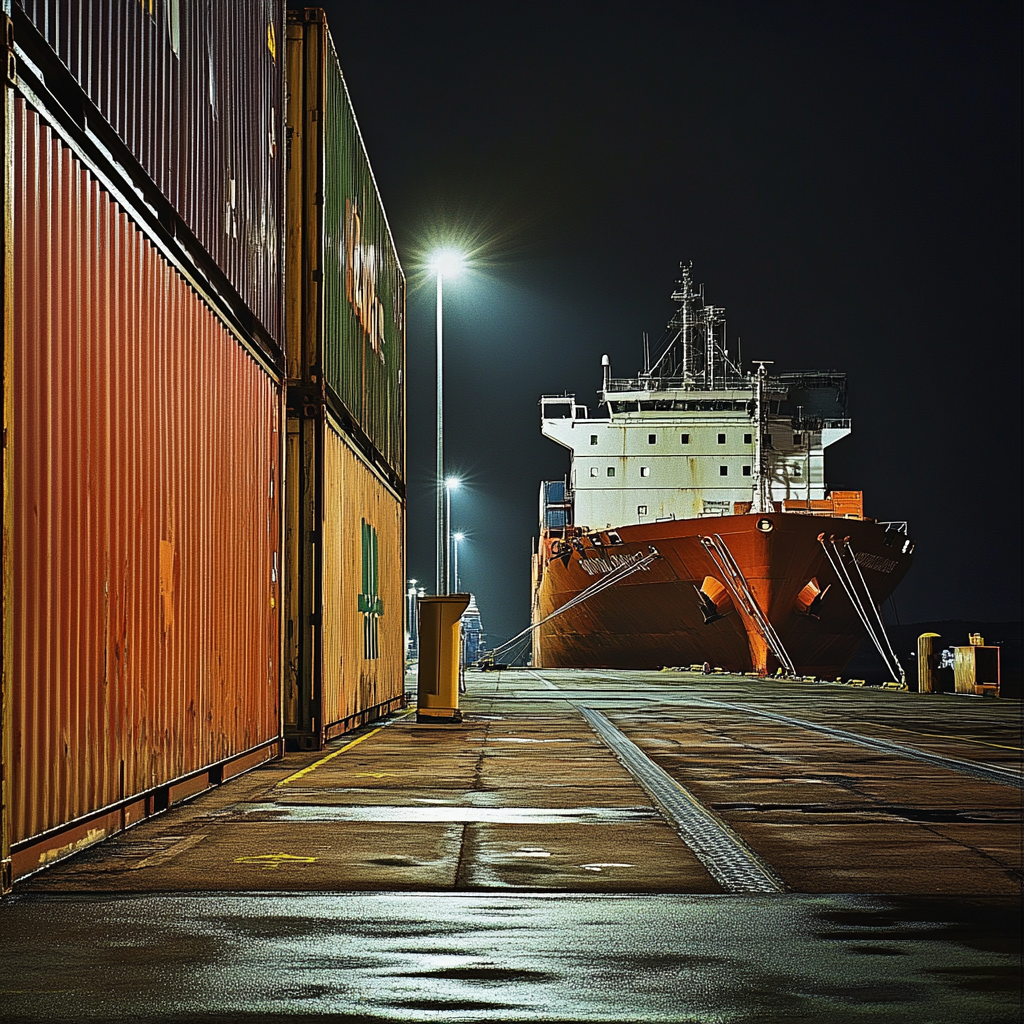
point(680, 440)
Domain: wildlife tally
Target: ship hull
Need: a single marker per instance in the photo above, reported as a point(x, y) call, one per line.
point(657, 616)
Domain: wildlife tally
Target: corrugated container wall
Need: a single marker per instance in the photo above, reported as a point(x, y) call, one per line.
point(146, 638)
point(363, 574)
point(194, 91)
point(352, 286)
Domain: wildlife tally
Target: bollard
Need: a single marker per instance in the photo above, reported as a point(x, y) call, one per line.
point(438, 689)
point(926, 663)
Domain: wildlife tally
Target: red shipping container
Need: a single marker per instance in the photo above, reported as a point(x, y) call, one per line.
point(145, 520)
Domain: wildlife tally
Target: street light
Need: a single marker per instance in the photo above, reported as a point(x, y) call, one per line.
point(451, 483)
point(444, 263)
point(410, 616)
point(456, 537)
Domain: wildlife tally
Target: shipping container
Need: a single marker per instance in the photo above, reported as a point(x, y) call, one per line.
point(193, 90)
point(145, 508)
point(345, 569)
point(345, 326)
point(7, 321)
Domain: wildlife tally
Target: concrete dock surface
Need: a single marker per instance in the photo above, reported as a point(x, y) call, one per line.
point(596, 845)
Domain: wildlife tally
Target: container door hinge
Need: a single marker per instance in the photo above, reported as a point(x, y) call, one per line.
point(10, 61)
point(316, 275)
point(312, 536)
point(314, 619)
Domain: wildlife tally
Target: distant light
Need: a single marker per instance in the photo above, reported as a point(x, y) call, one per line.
point(452, 483)
point(447, 262)
point(458, 536)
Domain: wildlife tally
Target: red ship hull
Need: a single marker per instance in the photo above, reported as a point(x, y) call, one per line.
point(656, 616)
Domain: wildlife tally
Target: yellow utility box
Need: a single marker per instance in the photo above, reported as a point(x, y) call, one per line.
point(439, 641)
point(976, 669)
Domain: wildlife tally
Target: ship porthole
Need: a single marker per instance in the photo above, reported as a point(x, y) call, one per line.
point(765, 525)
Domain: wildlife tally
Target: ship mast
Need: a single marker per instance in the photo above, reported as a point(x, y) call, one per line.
point(761, 498)
point(685, 321)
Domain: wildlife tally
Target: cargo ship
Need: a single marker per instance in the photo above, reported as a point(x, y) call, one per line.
point(695, 527)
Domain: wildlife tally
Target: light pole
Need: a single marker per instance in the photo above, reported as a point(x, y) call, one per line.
point(446, 263)
point(451, 483)
point(410, 613)
point(456, 537)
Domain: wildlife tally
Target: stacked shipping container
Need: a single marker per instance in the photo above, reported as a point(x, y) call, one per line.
point(193, 90)
point(144, 394)
point(143, 454)
point(345, 341)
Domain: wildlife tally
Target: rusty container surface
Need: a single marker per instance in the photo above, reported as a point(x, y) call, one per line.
point(344, 556)
point(145, 508)
point(363, 592)
point(346, 315)
point(195, 92)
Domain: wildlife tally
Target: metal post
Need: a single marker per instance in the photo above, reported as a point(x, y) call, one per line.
point(447, 537)
point(442, 527)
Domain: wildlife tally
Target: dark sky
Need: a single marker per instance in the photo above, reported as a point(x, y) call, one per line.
point(845, 178)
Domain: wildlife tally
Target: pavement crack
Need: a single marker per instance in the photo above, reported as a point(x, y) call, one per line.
point(466, 840)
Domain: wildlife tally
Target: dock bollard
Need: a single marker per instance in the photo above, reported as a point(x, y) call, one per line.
point(439, 641)
point(926, 663)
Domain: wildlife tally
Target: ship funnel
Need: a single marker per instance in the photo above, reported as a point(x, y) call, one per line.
point(606, 365)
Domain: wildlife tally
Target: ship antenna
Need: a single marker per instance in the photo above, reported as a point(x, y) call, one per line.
point(761, 498)
point(647, 356)
point(606, 366)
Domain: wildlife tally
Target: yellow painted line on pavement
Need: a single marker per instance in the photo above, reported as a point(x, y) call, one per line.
point(962, 739)
point(348, 746)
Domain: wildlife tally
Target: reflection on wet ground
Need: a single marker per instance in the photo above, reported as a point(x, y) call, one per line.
point(414, 957)
point(495, 815)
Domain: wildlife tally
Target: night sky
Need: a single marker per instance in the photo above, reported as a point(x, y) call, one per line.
point(845, 178)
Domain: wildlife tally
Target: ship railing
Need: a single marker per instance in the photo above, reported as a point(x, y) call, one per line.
point(899, 527)
point(675, 384)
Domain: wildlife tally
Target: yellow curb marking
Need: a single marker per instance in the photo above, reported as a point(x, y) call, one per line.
point(963, 739)
point(272, 861)
point(323, 760)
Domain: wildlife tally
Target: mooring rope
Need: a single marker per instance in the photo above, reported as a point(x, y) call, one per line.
point(615, 576)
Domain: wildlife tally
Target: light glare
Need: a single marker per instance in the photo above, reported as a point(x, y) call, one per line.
point(448, 263)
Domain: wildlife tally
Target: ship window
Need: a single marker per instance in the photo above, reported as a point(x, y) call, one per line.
point(611, 471)
point(798, 438)
point(723, 470)
point(768, 440)
point(747, 438)
point(593, 438)
point(746, 471)
point(652, 438)
point(796, 471)
point(721, 438)
point(641, 510)
point(593, 470)
point(645, 470)
point(684, 438)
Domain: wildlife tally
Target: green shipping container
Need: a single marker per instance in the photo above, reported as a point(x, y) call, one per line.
point(345, 290)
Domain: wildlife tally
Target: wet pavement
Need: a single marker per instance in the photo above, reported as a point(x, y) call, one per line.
point(517, 867)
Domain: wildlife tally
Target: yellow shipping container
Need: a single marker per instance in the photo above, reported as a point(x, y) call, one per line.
point(344, 593)
point(363, 593)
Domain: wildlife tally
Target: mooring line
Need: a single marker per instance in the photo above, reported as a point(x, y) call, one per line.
point(727, 858)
